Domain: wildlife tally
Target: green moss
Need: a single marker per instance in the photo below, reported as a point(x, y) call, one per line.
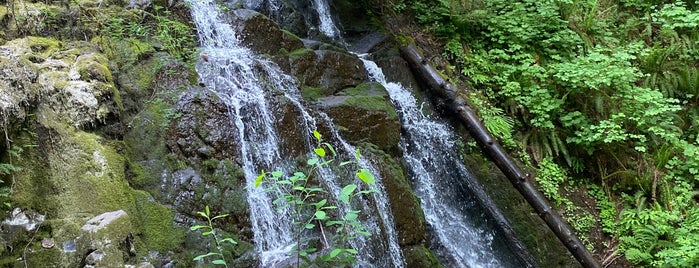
point(156, 222)
point(300, 53)
point(370, 96)
point(405, 40)
point(311, 93)
point(420, 257)
point(3, 13)
point(44, 46)
point(94, 67)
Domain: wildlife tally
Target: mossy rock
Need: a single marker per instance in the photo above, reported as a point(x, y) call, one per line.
point(365, 113)
point(262, 34)
point(419, 256)
point(407, 212)
point(156, 223)
point(327, 69)
point(531, 230)
point(93, 67)
point(77, 172)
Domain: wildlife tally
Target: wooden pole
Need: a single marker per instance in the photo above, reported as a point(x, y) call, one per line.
point(495, 152)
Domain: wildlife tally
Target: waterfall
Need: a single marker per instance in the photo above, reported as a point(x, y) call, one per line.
point(229, 72)
point(243, 80)
point(326, 26)
point(428, 148)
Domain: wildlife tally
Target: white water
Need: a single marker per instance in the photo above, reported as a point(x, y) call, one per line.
point(241, 78)
point(229, 73)
point(327, 26)
point(427, 146)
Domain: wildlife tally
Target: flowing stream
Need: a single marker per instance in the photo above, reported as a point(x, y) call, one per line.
point(244, 80)
point(460, 237)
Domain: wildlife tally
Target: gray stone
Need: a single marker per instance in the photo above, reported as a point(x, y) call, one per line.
point(28, 220)
point(101, 221)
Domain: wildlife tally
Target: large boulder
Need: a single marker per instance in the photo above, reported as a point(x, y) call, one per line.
point(262, 34)
point(202, 128)
point(407, 212)
point(365, 113)
point(327, 69)
point(66, 83)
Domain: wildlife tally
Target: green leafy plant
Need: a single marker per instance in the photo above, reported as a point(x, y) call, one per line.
point(209, 230)
point(312, 209)
point(176, 37)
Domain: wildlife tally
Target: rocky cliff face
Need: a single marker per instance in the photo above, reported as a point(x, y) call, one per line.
point(115, 146)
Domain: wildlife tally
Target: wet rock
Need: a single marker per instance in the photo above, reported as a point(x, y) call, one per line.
point(262, 34)
point(407, 212)
point(202, 129)
point(365, 114)
point(327, 69)
point(28, 220)
point(420, 257)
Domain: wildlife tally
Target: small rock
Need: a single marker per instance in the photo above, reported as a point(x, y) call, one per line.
point(69, 246)
point(47, 243)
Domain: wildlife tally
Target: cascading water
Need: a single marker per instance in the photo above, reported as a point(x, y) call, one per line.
point(228, 72)
point(241, 78)
point(428, 148)
point(326, 25)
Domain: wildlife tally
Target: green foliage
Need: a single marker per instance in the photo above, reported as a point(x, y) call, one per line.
point(176, 37)
point(606, 208)
point(161, 30)
point(550, 177)
point(7, 170)
point(610, 88)
point(209, 230)
point(313, 211)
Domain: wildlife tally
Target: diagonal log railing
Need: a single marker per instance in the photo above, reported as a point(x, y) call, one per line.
point(495, 152)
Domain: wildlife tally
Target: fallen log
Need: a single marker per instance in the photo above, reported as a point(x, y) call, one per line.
point(497, 154)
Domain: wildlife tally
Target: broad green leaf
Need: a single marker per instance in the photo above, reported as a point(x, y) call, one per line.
point(198, 258)
point(208, 212)
point(197, 227)
point(346, 192)
point(316, 134)
point(207, 233)
point(229, 240)
point(351, 250)
point(331, 148)
point(202, 214)
point(219, 216)
point(309, 226)
point(320, 152)
point(299, 188)
point(331, 223)
point(350, 216)
point(219, 262)
point(277, 174)
point(258, 180)
point(366, 176)
point(320, 215)
point(320, 203)
point(312, 161)
point(335, 252)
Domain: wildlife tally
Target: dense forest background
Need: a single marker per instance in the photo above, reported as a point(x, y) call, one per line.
point(600, 97)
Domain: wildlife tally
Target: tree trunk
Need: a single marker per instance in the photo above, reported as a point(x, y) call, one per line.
point(492, 149)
